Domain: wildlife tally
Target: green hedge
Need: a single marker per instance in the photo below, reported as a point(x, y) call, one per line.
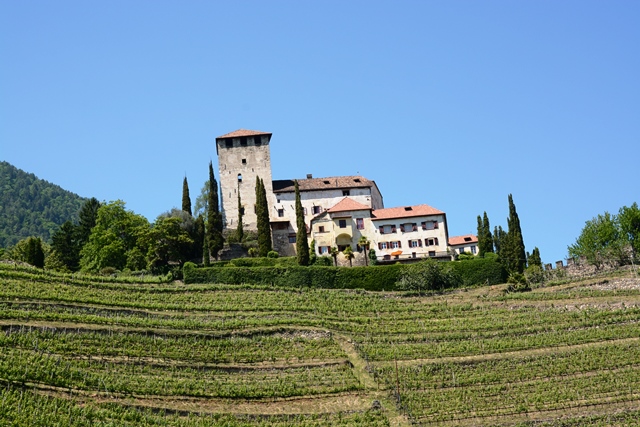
point(372, 278)
point(480, 271)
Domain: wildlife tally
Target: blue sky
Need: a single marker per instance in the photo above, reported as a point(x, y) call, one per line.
point(454, 104)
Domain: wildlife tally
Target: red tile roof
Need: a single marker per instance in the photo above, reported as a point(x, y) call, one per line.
point(312, 184)
point(463, 240)
point(243, 132)
point(405, 212)
point(348, 204)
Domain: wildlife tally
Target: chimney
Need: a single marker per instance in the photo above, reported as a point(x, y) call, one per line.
point(309, 176)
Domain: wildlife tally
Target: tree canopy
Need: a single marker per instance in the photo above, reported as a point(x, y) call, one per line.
point(302, 244)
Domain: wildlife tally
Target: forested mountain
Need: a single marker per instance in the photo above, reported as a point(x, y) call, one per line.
point(30, 206)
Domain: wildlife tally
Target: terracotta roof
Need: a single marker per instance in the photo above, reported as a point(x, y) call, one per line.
point(311, 184)
point(348, 204)
point(243, 132)
point(405, 212)
point(463, 240)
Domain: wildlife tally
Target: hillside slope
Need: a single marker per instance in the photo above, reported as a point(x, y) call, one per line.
point(30, 206)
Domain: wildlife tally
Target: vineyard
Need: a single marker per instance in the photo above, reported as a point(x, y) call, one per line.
point(97, 351)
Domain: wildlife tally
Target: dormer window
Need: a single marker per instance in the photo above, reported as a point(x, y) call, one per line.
point(327, 182)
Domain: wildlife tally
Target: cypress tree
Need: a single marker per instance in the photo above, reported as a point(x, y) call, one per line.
point(239, 229)
point(481, 243)
point(302, 244)
point(87, 220)
point(499, 236)
point(487, 231)
point(513, 251)
point(262, 213)
point(534, 258)
point(186, 200)
point(214, 218)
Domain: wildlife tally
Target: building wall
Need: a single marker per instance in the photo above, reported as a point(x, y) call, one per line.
point(430, 242)
point(247, 161)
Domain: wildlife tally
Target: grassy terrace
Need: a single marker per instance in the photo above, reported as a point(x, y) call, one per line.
point(104, 352)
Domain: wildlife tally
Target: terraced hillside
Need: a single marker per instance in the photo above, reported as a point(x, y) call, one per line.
point(93, 351)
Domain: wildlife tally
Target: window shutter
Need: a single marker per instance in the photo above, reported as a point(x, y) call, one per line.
point(399, 244)
point(435, 224)
point(414, 227)
point(381, 229)
point(424, 225)
point(426, 242)
point(435, 241)
point(401, 228)
point(420, 243)
point(393, 228)
point(380, 245)
point(408, 243)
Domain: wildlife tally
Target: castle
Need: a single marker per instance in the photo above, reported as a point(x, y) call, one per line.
point(338, 211)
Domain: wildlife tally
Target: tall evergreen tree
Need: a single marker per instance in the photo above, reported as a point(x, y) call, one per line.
point(513, 252)
point(214, 217)
point(262, 213)
point(186, 200)
point(481, 243)
point(87, 219)
point(64, 242)
point(534, 258)
point(239, 228)
point(302, 244)
point(487, 233)
point(499, 236)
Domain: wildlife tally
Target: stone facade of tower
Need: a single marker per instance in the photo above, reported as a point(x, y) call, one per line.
point(243, 155)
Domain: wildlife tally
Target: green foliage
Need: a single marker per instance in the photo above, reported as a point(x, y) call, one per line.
point(600, 241)
point(485, 239)
point(427, 275)
point(240, 228)
point(273, 254)
point(29, 250)
point(214, 217)
point(364, 243)
point(265, 244)
point(480, 271)
point(534, 258)
point(499, 237)
point(116, 234)
point(334, 254)
point(168, 242)
point(517, 283)
point(65, 243)
point(534, 274)
point(512, 250)
point(186, 200)
point(629, 223)
point(373, 259)
point(32, 207)
point(302, 244)
point(348, 254)
point(323, 261)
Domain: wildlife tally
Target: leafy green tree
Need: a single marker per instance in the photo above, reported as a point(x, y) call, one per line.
point(599, 241)
point(214, 217)
point(427, 275)
point(348, 254)
point(116, 241)
point(265, 244)
point(206, 257)
point(302, 244)
point(364, 244)
point(202, 201)
point(513, 251)
point(629, 223)
point(373, 258)
point(186, 200)
point(168, 241)
point(65, 243)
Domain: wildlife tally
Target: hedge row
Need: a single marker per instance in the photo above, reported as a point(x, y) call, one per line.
point(372, 278)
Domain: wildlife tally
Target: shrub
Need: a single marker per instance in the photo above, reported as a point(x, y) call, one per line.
point(517, 283)
point(480, 271)
point(427, 275)
point(534, 274)
point(272, 254)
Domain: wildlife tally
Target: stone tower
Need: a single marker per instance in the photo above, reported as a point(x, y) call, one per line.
point(243, 155)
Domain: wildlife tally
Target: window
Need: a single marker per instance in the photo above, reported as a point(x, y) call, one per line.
point(429, 225)
point(415, 243)
point(323, 250)
point(387, 229)
point(239, 177)
point(244, 161)
point(242, 210)
point(317, 209)
point(432, 253)
point(342, 247)
point(429, 242)
point(292, 238)
point(342, 223)
point(473, 249)
point(405, 228)
point(304, 211)
point(396, 245)
point(345, 192)
point(243, 141)
point(360, 223)
point(321, 229)
point(228, 143)
point(383, 245)
point(280, 213)
point(257, 140)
